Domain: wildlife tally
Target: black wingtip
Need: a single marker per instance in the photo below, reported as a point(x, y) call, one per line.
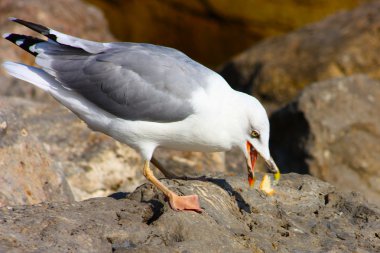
point(23, 41)
point(35, 27)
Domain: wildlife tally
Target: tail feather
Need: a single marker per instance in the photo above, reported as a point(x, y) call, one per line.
point(30, 74)
point(93, 116)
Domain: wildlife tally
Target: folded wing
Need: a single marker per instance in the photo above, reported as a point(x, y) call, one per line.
point(132, 81)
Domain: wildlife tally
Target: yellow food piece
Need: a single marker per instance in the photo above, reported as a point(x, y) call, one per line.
point(265, 185)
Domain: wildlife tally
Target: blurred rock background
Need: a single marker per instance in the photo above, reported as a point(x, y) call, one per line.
point(270, 49)
point(212, 31)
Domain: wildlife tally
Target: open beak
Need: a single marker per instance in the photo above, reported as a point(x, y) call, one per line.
point(251, 161)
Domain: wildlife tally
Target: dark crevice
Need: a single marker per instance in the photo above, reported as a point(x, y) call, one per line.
point(158, 210)
point(290, 133)
point(119, 195)
point(285, 234)
point(156, 206)
point(286, 226)
point(326, 198)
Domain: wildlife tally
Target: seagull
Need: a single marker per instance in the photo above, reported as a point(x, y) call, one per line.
point(146, 96)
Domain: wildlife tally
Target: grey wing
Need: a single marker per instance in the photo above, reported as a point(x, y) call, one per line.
point(131, 81)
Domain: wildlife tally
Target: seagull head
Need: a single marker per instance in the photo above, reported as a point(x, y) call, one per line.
point(255, 137)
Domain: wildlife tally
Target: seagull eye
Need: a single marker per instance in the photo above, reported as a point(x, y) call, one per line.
point(255, 134)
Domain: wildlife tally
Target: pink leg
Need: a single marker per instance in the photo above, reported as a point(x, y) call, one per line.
point(178, 203)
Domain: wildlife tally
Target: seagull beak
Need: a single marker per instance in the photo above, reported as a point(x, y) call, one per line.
point(272, 167)
point(251, 156)
point(251, 161)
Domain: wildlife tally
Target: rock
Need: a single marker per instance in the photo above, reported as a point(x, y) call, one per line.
point(332, 131)
point(192, 164)
point(306, 215)
point(278, 68)
point(211, 31)
point(29, 174)
point(94, 164)
point(68, 16)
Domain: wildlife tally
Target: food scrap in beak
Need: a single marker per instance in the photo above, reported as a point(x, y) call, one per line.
point(272, 167)
point(251, 161)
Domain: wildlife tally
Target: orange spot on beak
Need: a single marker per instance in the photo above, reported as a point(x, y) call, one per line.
point(251, 181)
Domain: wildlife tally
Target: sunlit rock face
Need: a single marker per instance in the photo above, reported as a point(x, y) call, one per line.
point(211, 31)
point(277, 69)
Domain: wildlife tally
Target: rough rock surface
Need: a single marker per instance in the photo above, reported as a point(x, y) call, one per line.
point(332, 131)
point(212, 31)
point(29, 174)
point(68, 16)
point(306, 215)
point(341, 45)
point(93, 163)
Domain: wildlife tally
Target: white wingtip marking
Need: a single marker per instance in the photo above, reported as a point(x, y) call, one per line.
point(6, 35)
point(12, 18)
point(32, 48)
point(19, 42)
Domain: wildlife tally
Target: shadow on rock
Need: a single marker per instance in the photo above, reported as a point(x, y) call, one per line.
point(222, 183)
